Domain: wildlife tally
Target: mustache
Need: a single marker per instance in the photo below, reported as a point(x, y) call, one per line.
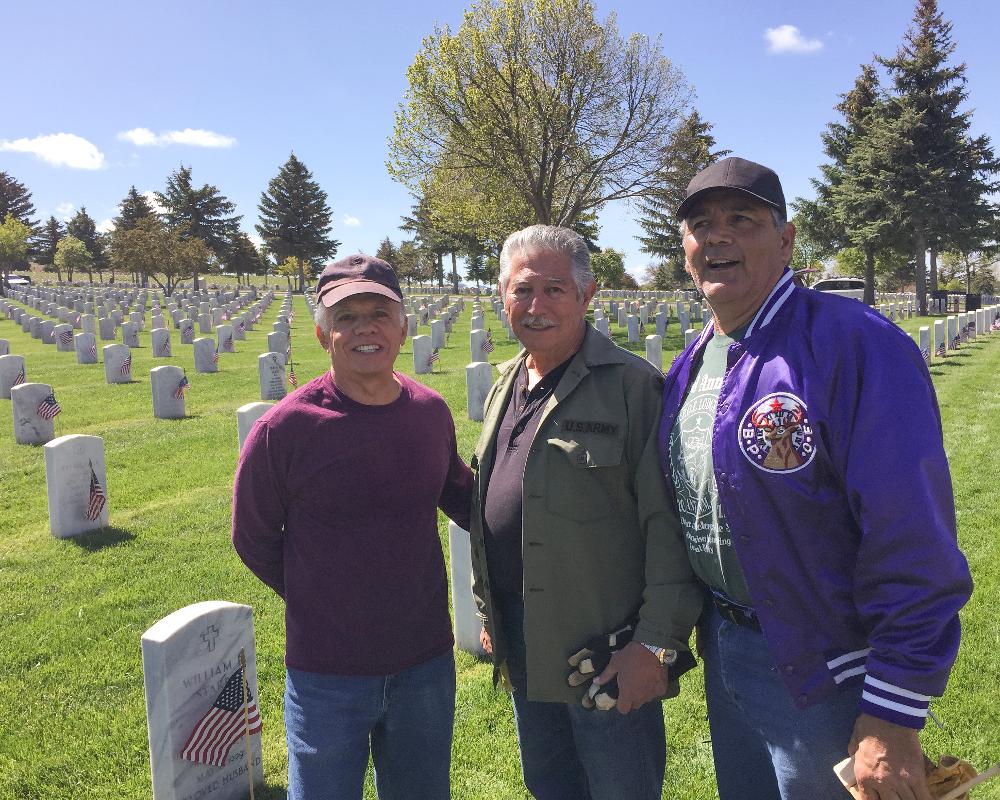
point(537, 321)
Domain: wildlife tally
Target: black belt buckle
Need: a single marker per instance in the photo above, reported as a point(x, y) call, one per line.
point(744, 617)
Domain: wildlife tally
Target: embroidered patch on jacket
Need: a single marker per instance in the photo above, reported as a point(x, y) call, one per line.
point(775, 434)
point(588, 426)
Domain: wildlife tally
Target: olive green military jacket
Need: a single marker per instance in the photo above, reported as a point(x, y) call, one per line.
point(599, 535)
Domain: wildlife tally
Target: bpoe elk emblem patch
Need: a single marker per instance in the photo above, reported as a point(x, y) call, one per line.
point(775, 434)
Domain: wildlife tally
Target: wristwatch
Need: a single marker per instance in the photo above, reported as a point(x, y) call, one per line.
point(663, 655)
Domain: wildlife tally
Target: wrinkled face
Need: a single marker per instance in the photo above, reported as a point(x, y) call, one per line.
point(364, 337)
point(734, 252)
point(542, 302)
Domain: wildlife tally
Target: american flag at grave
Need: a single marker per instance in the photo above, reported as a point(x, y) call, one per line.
point(65, 338)
point(292, 378)
point(941, 350)
point(49, 407)
point(488, 346)
point(97, 498)
point(126, 369)
point(434, 356)
point(182, 387)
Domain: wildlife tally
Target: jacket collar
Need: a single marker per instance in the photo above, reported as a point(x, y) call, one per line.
point(779, 295)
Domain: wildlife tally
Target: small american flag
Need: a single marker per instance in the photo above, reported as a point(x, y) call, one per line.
point(996, 324)
point(956, 342)
point(165, 348)
point(65, 338)
point(292, 379)
point(224, 724)
point(487, 346)
point(241, 326)
point(182, 387)
point(127, 366)
point(93, 351)
point(642, 330)
point(187, 335)
point(227, 345)
point(19, 378)
point(941, 350)
point(49, 407)
point(215, 356)
point(97, 499)
point(434, 356)
point(926, 353)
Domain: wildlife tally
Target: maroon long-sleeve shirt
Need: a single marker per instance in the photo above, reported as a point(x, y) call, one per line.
point(335, 508)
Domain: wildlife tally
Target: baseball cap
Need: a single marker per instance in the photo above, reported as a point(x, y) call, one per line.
point(357, 274)
point(740, 175)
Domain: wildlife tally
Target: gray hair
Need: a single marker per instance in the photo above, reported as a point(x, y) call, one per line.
point(321, 316)
point(554, 239)
point(779, 217)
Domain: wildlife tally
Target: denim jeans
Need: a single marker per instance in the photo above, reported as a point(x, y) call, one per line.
point(765, 748)
point(569, 752)
point(405, 721)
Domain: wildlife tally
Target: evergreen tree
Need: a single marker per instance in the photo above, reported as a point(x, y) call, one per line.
point(295, 218)
point(387, 251)
point(83, 228)
point(15, 200)
point(940, 175)
point(243, 258)
point(203, 213)
point(131, 210)
point(692, 148)
point(430, 238)
point(47, 241)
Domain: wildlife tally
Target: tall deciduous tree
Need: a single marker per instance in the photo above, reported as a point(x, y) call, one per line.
point(72, 255)
point(14, 236)
point(539, 101)
point(152, 250)
point(203, 213)
point(295, 218)
point(692, 148)
point(608, 267)
point(941, 176)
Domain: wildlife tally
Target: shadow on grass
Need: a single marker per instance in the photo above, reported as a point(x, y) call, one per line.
point(100, 539)
point(270, 793)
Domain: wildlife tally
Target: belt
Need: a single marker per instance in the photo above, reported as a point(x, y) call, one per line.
point(735, 613)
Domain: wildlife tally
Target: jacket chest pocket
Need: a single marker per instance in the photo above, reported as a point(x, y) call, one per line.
point(583, 476)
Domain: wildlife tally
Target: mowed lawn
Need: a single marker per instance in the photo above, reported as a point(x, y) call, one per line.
point(72, 712)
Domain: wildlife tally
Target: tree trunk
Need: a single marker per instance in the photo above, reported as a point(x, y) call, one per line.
point(454, 272)
point(869, 296)
point(302, 277)
point(920, 257)
point(934, 271)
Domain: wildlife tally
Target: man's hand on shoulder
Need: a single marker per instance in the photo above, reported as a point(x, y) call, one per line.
point(641, 677)
point(888, 761)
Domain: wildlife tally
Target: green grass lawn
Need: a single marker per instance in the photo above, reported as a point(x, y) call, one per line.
point(72, 712)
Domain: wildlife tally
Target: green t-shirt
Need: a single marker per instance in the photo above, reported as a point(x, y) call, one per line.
point(706, 532)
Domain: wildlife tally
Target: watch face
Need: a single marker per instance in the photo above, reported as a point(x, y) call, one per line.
point(668, 657)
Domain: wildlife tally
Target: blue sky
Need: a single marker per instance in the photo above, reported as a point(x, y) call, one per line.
point(100, 96)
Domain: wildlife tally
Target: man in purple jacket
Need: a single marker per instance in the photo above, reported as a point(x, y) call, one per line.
point(335, 508)
point(802, 438)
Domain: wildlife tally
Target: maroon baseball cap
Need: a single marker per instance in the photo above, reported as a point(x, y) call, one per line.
point(739, 175)
point(357, 274)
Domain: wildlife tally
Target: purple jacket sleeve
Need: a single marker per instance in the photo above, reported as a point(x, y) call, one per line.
point(456, 496)
point(259, 509)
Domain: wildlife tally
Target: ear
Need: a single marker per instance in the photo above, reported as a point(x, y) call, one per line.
point(787, 243)
point(589, 293)
point(324, 338)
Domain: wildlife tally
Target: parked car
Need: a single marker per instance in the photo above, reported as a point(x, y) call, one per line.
point(847, 287)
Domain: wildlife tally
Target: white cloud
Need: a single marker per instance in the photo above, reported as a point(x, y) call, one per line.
point(351, 222)
point(194, 137)
point(154, 202)
point(256, 239)
point(65, 211)
point(106, 226)
point(789, 39)
point(59, 150)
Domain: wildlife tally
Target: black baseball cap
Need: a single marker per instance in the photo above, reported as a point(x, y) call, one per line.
point(357, 274)
point(739, 175)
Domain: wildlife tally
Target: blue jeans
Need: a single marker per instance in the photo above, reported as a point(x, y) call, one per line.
point(569, 752)
point(332, 722)
point(764, 747)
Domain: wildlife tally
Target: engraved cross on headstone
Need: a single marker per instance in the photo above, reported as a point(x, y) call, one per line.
point(209, 636)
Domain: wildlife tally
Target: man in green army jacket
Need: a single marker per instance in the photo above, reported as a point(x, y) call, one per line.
point(573, 533)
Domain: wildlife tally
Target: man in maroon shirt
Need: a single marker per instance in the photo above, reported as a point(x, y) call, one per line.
point(335, 508)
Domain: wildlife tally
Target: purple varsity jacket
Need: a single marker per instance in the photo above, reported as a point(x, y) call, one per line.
point(831, 471)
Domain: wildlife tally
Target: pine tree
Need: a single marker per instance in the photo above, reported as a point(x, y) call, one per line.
point(131, 210)
point(203, 213)
point(47, 241)
point(940, 174)
point(243, 258)
point(691, 150)
point(387, 251)
point(83, 228)
point(15, 199)
point(295, 218)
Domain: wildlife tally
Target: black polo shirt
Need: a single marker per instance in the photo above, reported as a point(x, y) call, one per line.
point(502, 513)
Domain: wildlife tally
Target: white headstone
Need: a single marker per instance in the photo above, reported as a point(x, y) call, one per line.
point(689, 335)
point(106, 325)
point(225, 338)
point(632, 322)
point(117, 363)
point(437, 334)
point(246, 416)
point(478, 381)
point(130, 334)
point(4, 347)
point(952, 332)
point(421, 354)
point(467, 622)
point(29, 426)
point(70, 463)
point(63, 336)
point(940, 343)
point(271, 372)
point(277, 342)
point(165, 383)
point(160, 342)
point(603, 325)
point(187, 659)
point(205, 357)
point(411, 324)
point(205, 323)
point(925, 344)
point(654, 351)
point(86, 348)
